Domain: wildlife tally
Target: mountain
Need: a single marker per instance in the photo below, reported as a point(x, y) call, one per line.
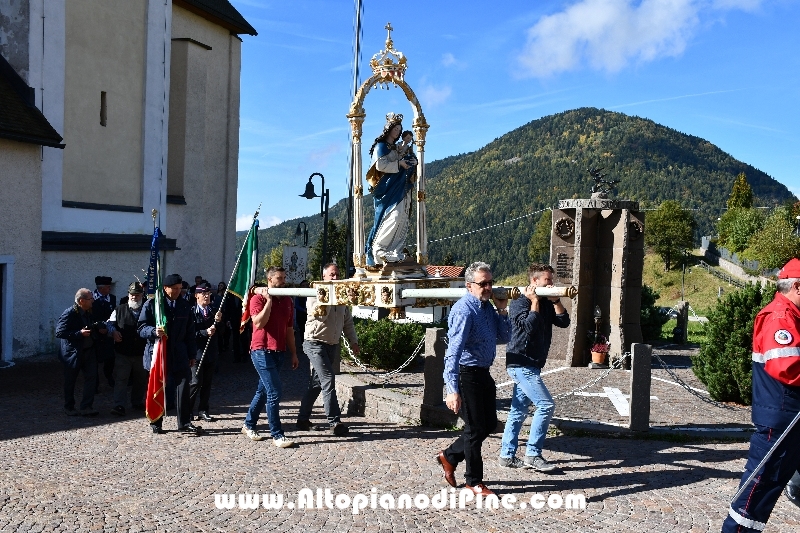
point(534, 166)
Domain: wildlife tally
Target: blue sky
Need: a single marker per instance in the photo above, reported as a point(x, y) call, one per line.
point(724, 70)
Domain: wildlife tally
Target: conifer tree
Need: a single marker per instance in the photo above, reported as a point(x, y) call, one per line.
point(539, 245)
point(741, 194)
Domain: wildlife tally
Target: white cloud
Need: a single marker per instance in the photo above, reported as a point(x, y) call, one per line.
point(607, 35)
point(432, 96)
point(243, 222)
point(448, 60)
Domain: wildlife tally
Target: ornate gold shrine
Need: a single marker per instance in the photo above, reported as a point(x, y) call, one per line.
point(388, 70)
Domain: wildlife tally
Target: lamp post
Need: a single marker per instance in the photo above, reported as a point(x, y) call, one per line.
point(797, 226)
point(323, 211)
point(302, 233)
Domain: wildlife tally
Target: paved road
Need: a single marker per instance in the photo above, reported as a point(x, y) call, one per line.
point(111, 474)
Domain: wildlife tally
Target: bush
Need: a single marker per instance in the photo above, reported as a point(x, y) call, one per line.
point(386, 344)
point(650, 317)
point(724, 364)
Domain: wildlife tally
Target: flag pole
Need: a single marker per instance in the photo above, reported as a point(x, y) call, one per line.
point(233, 272)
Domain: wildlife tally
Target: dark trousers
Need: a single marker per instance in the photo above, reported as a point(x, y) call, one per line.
point(87, 363)
point(755, 504)
point(105, 361)
point(478, 394)
point(322, 357)
point(201, 383)
point(180, 379)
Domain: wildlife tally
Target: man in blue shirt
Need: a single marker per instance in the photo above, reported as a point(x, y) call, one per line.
point(532, 321)
point(475, 329)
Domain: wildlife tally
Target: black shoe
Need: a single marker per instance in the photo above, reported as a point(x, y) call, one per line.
point(303, 425)
point(339, 429)
point(793, 494)
point(156, 429)
point(118, 411)
point(191, 429)
point(202, 415)
point(322, 427)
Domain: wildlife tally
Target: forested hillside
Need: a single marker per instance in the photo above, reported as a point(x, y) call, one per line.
point(534, 166)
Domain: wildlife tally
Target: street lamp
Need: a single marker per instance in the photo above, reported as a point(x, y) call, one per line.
point(323, 211)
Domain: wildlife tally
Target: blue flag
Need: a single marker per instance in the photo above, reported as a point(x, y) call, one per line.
point(152, 278)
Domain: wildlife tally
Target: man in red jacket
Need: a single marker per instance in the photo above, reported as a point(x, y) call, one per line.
point(776, 402)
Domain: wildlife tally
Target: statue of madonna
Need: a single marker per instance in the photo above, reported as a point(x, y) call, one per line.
point(391, 176)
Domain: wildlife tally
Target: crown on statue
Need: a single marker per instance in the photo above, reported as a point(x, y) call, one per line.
point(392, 119)
point(383, 63)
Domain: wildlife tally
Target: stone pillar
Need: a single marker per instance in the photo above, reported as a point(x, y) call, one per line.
point(681, 331)
point(640, 387)
point(356, 121)
point(597, 246)
point(434, 366)
point(420, 128)
point(433, 411)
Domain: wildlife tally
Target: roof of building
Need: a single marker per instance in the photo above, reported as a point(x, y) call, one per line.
point(445, 271)
point(20, 119)
point(219, 12)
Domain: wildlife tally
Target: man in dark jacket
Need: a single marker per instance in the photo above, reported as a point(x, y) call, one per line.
point(77, 334)
point(532, 321)
point(102, 306)
point(207, 321)
point(181, 349)
point(129, 351)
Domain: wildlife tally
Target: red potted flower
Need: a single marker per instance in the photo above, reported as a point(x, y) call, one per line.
point(599, 347)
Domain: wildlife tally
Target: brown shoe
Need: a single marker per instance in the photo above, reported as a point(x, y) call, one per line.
point(449, 470)
point(480, 489)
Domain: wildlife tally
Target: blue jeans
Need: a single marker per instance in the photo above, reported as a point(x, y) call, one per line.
point(528, 388)
point(268, 366)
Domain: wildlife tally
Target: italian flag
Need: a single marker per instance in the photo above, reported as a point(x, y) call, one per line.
point(154, 402)
point(244, 274)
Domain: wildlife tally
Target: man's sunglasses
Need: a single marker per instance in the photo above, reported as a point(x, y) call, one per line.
point(483, 284)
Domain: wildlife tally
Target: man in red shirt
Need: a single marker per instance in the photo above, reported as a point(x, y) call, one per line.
point(273, 335)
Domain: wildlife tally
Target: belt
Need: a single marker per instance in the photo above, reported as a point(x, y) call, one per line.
point(464, 368)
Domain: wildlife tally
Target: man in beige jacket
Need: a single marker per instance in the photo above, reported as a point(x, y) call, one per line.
point(324, 326)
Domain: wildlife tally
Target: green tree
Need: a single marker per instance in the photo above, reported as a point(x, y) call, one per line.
point(776, 243)
point(337, 247)
point(650, 317)
point(669, 230)
point(737, 225)
point(741, 194)
point(724, 364)
point(273, 258)
point(539, 245)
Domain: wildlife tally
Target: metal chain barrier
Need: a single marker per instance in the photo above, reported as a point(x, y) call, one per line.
point(388, 375)
point(617, 363)
point(693, 392)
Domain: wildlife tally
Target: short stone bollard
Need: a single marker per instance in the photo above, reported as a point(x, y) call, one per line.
point(641, 355)
point(433, 411)
point(681, 331)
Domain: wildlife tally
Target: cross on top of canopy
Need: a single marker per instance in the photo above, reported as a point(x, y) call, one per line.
point(383, 63)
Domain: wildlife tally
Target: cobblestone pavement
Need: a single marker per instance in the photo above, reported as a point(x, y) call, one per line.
point(111, 474)
point(672, 406)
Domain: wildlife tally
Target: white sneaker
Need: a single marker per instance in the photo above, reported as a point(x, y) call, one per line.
point(283, 442)
point(252, 434)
